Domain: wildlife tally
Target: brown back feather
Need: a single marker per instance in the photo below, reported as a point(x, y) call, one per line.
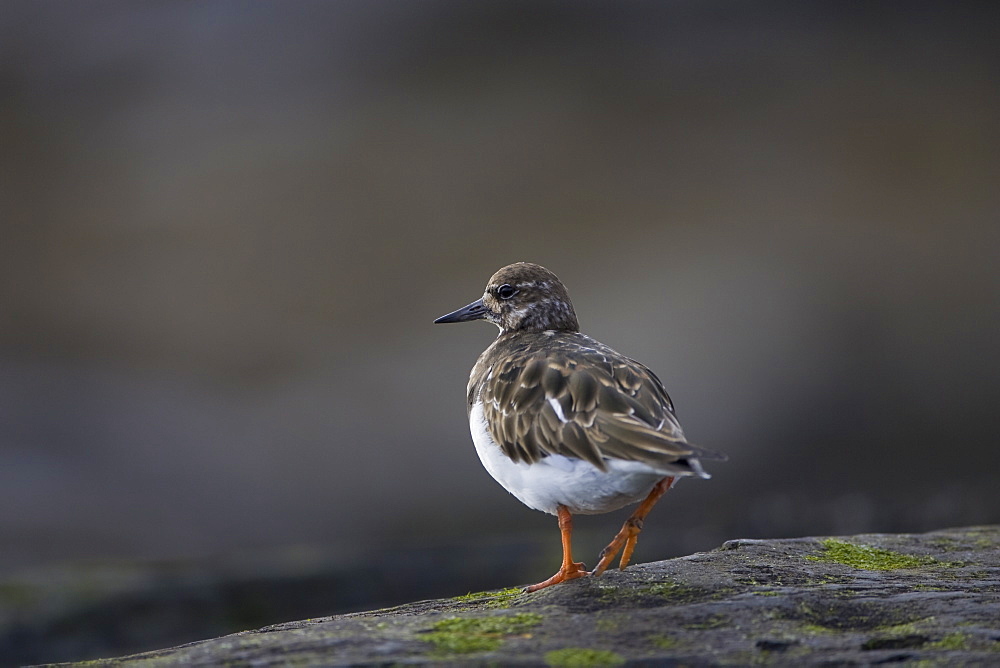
point(608, 405)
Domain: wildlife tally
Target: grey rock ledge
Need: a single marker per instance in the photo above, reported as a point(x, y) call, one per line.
point(858, 600)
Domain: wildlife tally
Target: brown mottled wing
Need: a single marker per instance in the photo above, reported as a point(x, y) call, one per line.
point(592, 404)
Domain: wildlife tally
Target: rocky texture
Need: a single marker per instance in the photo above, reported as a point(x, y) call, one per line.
point(862, 600)
point(85, 610)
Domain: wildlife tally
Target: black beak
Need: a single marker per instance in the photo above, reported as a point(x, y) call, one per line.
point(474, 311)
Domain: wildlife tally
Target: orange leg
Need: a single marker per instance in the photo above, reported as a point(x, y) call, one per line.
point(569, 570)
point(629, 534)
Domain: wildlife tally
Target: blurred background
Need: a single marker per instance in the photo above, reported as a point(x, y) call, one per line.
point(228, 226)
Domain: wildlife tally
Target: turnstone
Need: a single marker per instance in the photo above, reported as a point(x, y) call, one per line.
point(563, 422)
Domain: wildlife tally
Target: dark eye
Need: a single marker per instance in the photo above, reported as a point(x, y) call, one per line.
point(505, 291)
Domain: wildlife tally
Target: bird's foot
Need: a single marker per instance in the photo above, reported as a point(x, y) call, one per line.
point(568, 571)
point(626, 538)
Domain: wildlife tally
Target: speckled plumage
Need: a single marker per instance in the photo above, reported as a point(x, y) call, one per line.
point(561, 392)
point(547, 396)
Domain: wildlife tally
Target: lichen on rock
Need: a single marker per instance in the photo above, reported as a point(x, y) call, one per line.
point(858, 600)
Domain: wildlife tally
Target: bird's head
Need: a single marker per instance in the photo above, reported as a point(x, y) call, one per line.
point(521, 297)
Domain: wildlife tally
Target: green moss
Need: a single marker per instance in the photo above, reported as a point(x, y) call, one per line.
point(867, 558)
point(612, 594)
point(673, 591)
point(578, 656)
point(498, 600)
point(678, 594)
point(766, 592)
point(907, 628)
point(664, 642)
point(465, 635)
point(945, 543)
point(951, 641)
point(608, 625)
point(710, 622)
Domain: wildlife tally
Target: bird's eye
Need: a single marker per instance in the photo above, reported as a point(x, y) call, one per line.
point(505, 291)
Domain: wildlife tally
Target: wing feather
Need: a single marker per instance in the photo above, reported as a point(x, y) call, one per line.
point(589, 402)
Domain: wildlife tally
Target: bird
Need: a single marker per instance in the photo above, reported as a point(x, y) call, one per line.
point(563, 422)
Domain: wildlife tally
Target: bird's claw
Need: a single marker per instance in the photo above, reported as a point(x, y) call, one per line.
point(570, 571)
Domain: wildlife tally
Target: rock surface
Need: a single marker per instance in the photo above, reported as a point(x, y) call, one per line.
point(860, 600)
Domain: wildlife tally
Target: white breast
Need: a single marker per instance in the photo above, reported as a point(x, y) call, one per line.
point(557, 480)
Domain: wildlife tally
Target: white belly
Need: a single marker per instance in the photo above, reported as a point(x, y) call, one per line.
point(557, 480)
